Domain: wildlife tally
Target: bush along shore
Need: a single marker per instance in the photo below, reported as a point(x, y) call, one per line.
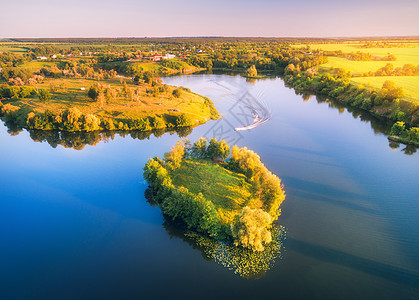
point(228, 197)
point(384, 103)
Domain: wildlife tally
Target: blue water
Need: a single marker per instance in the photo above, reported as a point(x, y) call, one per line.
point(75, 223)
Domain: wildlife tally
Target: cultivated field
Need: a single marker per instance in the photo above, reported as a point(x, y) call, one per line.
point(407, 54)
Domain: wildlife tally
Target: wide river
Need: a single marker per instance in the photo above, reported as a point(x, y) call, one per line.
point(75, 223)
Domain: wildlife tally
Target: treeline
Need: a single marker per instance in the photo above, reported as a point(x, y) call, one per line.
point(389, 70)
point(17, 92)
point(8, 59)
point(360, 56)
point(73, 120)
point(384, 102)
point(250, 227)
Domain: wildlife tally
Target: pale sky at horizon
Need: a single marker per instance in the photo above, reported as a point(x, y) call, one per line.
point(264, 18)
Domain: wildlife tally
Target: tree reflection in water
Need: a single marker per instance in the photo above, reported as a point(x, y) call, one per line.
point(78, 140)
point(243, 262)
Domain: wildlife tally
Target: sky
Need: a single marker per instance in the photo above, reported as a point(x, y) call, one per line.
point(181, 18)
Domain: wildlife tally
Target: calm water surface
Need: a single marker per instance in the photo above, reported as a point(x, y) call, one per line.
point(75, 223)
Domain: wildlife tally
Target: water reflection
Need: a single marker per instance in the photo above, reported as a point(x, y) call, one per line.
point(243, 262)
point(78, 140)
point(378, 125)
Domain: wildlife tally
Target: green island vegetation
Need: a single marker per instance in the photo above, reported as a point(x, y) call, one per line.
point(235, 201)
point(379, 76)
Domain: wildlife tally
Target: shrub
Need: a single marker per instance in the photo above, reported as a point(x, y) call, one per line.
point(177, 93)
point(44, 95)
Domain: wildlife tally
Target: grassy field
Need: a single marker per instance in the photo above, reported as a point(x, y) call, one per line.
point(227, 190)
point(68, 93)
point(12, 48)
point(408, 55)
point(37, 65)
point(410, 84)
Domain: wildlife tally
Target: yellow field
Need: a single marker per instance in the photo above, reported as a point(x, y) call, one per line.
point(410, 84)
point(37, 65)
point(409, 55)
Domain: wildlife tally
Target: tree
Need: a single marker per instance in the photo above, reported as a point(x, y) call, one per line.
point(174, 157)
point(251, 229)
point(148, 77)
point(44, 95)
point(218, 150)
point(252, 72)
point(177, 93)
point(93, 92)
point(390, 92)
point(199, 148)
point(398, 128)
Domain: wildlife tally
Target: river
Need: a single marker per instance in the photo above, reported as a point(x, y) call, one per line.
point(76, 224)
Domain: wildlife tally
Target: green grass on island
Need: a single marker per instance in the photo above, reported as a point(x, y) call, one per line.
point(228, 190)
point(236, 200)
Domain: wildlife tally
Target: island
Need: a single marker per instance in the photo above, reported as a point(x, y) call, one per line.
point(227, 196)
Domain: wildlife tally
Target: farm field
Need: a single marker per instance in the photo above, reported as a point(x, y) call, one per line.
point(406, 55)
point(410, 84)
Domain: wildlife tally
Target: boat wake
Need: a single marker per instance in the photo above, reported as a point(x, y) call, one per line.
point(260, 116)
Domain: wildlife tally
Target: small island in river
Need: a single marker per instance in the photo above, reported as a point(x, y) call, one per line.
point(228, 197)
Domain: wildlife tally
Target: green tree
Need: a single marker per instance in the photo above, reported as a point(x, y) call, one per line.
point(93, 92)
point(175, 156)
point(199, 148)
point(218, 150)
point(44, 95)
point(177, 93)
point(398, 128)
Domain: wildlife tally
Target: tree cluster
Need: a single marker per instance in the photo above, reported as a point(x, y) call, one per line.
point(251, 226)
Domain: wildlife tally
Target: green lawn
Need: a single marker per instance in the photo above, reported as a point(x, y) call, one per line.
point(227, 190)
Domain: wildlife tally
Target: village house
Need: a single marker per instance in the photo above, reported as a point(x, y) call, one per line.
point(169, 56)
point(155, 57)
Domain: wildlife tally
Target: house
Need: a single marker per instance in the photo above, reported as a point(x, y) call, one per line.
point(155, 57)
point(169, 56)
point(54, 56)
point(42, 57)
